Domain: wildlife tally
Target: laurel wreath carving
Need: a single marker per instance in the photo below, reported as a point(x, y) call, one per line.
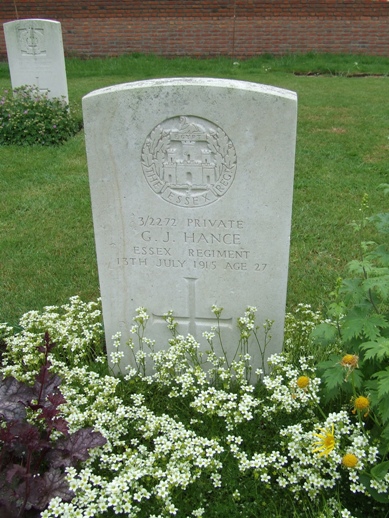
point(221, 145)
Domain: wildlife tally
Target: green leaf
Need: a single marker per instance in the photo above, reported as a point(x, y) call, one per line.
point(324, 333)
point(380, 255)
point(337, 310)
point(328, 364)
point(385, 436)
point(378, 497)
point(383, 411)
point(358, 323)
point(381, 222)
point(352, 290)
point(360, 267)
point(383, 382)
point(357, 377)
point(380, 470)
point(378, 284)
point(367, 247)
point(377, 349)
point(334, 377)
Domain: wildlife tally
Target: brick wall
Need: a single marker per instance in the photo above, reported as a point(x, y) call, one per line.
point(241, 28)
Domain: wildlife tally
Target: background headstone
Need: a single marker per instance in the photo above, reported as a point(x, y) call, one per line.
point(36, 56)
point(191, 183)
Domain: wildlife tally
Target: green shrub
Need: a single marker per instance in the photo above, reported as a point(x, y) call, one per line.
point(359, 378)
point(28, 117)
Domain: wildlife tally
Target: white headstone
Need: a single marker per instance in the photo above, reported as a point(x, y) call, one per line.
point(191, 183)
point(36, 56)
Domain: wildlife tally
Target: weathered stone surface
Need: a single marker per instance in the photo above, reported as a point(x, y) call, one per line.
point(36, 56)
point(191, 183)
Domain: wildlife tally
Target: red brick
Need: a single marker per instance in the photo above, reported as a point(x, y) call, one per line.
point(206, 27)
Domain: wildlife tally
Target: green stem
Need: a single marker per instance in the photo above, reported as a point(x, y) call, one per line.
point(218, 332)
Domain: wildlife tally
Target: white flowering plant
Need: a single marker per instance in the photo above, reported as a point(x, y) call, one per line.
point(194, 437)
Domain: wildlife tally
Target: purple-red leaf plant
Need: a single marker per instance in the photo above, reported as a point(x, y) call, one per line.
point(32, 462)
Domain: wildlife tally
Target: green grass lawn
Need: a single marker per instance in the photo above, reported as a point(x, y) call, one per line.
point(46, 238)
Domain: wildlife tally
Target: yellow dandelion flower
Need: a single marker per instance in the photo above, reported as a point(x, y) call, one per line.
point(361, 404)
point(350, 361)
point(303, 382)
point(349, 460)
point(326, 443)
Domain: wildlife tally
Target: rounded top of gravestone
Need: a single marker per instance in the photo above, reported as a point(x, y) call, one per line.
point(29, 20)
point(196, 82)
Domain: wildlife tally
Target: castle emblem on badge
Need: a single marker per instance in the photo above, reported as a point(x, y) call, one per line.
point(189, 161)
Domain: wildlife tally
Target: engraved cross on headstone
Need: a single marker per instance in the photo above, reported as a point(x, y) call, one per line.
point(192, 320)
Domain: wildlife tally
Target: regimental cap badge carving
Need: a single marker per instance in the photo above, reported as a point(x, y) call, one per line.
point(189, 161)
point(32, 40)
